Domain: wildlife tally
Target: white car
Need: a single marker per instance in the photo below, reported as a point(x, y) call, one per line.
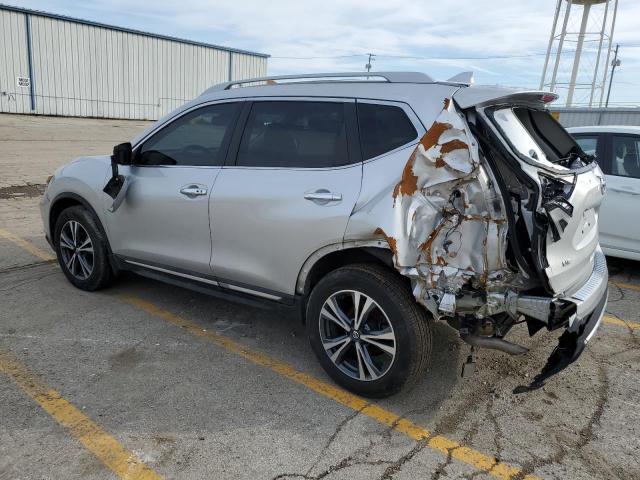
point(617, 149)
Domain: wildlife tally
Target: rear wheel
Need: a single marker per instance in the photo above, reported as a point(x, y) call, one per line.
point(81, 248)
point(367, 330)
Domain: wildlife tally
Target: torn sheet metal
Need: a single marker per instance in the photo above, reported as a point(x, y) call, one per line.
point(448, 228)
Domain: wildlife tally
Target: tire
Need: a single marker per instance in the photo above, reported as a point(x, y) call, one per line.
point(100, 274)
point(393, 313)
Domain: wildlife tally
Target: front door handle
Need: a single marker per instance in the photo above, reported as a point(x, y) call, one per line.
point(193, 190)
point(323, 196)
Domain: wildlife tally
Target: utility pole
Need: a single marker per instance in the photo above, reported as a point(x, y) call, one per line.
point(614, 63)
point(368, 65)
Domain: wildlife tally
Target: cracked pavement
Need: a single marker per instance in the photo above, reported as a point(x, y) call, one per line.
point(190, 409)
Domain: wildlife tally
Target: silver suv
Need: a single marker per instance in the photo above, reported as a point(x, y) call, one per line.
point(373, 205)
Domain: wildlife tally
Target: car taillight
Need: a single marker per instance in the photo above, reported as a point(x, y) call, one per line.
point(548, 97)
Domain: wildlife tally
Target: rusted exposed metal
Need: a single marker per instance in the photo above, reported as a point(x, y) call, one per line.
point(446, 233)
point(390, 240)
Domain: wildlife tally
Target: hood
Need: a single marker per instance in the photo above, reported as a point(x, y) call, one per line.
point(91, 158)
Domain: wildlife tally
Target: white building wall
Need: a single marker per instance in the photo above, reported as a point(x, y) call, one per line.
point(244, 66)
point(581, 117)
point(13, 63)
point(87, 70)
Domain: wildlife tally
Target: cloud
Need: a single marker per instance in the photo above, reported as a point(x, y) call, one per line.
point(389, 28)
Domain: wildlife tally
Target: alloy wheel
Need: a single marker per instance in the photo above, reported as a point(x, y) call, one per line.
point(76, 249)
point(357, 335)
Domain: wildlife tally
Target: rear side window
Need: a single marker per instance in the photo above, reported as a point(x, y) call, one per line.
point(383, 128)
point(195, 139)
point(294, 134)
point(626, 156)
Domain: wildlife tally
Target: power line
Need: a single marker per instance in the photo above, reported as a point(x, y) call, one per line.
point(322, 57)
point(422, 57)
point(489, 57)
point(413, 57)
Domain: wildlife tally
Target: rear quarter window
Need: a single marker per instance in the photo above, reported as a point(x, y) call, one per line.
point(594, 144)
point(383, 128)
point(589, 145)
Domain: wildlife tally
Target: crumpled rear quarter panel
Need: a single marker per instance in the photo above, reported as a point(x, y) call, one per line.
point(439, 213)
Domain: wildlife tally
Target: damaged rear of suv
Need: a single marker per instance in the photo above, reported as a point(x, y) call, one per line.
point(373, 205)
point(495, 221)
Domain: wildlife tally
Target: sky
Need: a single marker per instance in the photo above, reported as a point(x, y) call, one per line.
point(502, 41)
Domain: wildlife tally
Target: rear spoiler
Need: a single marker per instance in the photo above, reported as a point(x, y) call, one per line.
point(483, 96)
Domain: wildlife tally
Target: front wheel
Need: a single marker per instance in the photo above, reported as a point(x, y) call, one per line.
point(81, 248)
point(367, 330)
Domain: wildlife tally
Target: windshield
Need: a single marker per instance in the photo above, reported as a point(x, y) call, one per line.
point(537, 135)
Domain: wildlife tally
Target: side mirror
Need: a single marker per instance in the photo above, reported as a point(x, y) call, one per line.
point(122, 154)
point(114, 188)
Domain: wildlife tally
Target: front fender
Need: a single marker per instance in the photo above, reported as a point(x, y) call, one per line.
point(80, 181)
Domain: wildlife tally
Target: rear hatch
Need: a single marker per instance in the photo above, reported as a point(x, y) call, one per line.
point(553, 188)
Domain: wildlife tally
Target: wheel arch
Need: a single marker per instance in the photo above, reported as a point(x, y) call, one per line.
point(69, 199)
point(332, 257)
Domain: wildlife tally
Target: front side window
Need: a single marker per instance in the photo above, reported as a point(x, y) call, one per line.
point(383, 128)
point(626, 156)
point(195, 139)
point(295, 134)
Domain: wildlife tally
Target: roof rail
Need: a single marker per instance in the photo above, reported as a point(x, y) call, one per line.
point(391, 77)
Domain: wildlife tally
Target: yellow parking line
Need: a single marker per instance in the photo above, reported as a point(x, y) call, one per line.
point(402, 425)
point(628, 286)
point(622, 323)
point(122, 462)
point(437, 442)
point(42, 254)
point(32, 249)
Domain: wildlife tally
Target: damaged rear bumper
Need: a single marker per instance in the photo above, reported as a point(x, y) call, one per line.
point(567, 310)
point(589, 297)
point(591, 302)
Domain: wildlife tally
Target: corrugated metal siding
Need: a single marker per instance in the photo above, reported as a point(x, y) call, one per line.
point(245, 66)
point(13, 63)
point(85, 70)
point(582, 117)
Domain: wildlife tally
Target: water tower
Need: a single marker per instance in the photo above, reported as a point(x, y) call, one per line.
point(576, 65)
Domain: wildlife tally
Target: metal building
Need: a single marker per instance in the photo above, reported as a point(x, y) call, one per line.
point(56, 65)
point(582, 117)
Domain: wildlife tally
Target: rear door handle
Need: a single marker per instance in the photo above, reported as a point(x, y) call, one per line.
point(193, 190)
point(323, 196)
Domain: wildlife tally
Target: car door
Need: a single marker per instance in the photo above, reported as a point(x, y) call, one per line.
point(289, 189)
point(619, 228)
point(164, 219)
